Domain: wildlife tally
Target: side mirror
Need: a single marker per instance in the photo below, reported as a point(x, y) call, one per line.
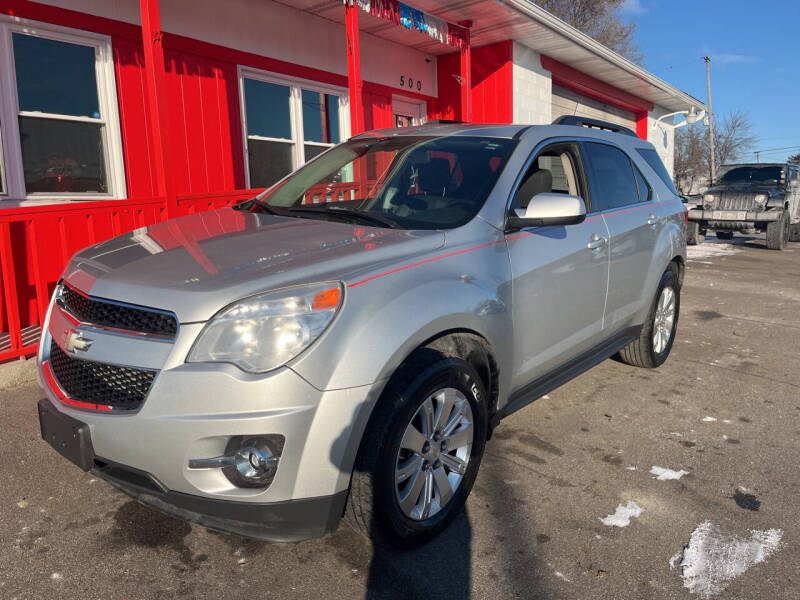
point(549, 209)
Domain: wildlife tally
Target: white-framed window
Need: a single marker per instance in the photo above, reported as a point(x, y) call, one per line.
point(59, 120)
point(408, 112)
point(286, 122)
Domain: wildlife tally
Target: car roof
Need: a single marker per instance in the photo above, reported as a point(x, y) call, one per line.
point(450, 128)
point(507, 131)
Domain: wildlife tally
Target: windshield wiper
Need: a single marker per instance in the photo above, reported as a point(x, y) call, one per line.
point(342, 211)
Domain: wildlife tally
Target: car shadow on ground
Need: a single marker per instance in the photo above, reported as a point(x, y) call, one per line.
point(446, 567)
point(747, 241)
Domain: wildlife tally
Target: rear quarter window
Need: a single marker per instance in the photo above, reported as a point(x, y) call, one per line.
point(652, 158)
point(612, 182)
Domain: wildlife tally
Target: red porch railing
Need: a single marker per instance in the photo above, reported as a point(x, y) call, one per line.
point(36, 243)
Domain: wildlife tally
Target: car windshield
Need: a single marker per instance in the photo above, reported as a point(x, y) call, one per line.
point(752, 174)
point(409, 182)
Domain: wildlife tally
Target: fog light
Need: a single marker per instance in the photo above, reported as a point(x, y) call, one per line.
point(249, 461)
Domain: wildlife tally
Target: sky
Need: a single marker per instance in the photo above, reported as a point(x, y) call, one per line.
point(755, 59)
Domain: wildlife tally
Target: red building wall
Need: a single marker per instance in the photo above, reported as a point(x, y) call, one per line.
point(205, 136)
point(492, 84)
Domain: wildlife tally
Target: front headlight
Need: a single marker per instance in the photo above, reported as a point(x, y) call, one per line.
point(708, 201)
point(264, 332)
point(761, 199)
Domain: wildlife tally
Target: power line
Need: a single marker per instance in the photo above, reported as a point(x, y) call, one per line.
point(775, 149)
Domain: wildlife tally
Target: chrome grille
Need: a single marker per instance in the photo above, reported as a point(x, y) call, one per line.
point(122, 388)
point(736, 201)
point(105, 313)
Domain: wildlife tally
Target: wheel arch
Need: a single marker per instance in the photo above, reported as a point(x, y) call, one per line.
point(459, 342)
point(680, 262)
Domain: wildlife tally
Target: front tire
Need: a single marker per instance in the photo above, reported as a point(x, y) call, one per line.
point(694, 235)
point(778, 232)
point(420, 453)
point(655, 340)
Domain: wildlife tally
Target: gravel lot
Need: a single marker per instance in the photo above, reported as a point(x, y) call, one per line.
point(723, 415)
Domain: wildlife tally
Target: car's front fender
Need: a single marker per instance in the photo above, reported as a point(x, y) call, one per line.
point(385, 318)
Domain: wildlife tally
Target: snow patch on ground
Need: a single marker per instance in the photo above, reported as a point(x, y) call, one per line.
point(663, 474)
point(674, 560)
point(709, 419)
point(631, 468)
point(623, 515)
point(710, 250)
point(713, 558)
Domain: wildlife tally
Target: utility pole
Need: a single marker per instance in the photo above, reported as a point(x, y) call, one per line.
point(710, 121)
point(757, 158)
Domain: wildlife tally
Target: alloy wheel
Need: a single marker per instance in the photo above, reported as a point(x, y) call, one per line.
point(434, 454)
point(663, 320)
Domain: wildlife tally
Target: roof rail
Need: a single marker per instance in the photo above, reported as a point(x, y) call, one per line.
point(593, 124)
point(445, 122)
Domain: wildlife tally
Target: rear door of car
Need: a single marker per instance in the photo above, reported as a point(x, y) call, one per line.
point(560, 273)
point(625, 200)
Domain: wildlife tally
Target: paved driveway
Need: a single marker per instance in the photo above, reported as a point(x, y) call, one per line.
point(718, 425)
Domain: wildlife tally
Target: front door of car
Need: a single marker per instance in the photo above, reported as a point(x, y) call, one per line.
point(621, 194)
point(559, 273)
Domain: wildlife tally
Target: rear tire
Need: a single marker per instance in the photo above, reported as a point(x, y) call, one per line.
point(374, 507)
point(778, 232)
point(724, 235)
point(649, 350)
point(693, 234)
point(794, 232)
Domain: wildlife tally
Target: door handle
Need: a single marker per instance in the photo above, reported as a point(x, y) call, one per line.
point(596, 242)
point(652, 221)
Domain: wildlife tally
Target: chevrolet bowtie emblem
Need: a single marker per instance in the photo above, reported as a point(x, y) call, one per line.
point(77, 343)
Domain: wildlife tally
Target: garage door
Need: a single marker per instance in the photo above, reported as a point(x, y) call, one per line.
point(567, 102)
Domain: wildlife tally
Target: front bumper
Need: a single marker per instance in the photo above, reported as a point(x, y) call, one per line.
point(282, 521)
point(723, 217)
point(290, 521)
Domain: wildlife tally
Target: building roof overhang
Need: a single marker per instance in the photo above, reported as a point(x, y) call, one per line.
point(524, 22)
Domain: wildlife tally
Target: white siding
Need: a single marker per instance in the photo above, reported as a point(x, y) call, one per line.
point(567, 102)
point(662, 137)
point(532, 87)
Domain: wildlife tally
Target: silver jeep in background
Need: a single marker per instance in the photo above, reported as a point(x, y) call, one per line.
point(749, 198)
point(345, 342)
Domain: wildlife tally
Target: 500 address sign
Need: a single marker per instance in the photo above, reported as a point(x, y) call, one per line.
point(410, 83)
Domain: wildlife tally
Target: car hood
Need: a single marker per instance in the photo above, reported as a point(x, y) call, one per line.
point(196, 265)
point(745, 188)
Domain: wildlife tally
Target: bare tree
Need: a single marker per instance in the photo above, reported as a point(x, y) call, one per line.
point(691, 149)
point(733, 137)
point(599, 19)
point(795, 159)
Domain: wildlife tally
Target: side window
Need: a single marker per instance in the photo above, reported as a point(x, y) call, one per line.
point(652, 159)
point(611, 176)
point(645, 191)
point(554, 170)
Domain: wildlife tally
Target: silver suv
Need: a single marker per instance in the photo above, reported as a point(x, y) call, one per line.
point(344, 343)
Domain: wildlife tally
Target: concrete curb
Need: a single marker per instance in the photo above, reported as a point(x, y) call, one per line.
point(18, 373)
